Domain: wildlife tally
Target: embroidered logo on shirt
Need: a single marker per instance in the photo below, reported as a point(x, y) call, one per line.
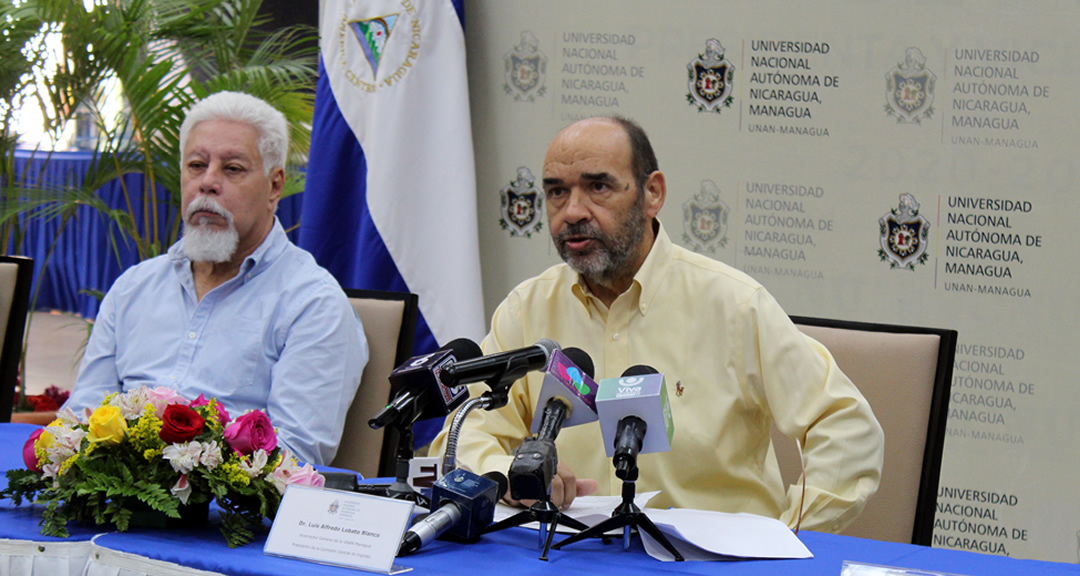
point(679, 388)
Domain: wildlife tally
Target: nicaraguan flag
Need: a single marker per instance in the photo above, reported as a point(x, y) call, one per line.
point(390, 202)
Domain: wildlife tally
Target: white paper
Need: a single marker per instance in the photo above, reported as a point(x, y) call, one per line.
point(859, 569)
point(340, 528)
point(708, 535)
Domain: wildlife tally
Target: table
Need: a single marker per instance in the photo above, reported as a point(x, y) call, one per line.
point(191, 551)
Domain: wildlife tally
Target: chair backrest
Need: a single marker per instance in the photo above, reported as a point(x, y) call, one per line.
point(16, 275)
point(905, 373)
point(389, 320)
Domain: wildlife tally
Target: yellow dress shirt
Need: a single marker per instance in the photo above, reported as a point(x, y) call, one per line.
point(733, 362)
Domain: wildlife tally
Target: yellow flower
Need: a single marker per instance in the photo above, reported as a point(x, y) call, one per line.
point(144, 434)
point(41, 447)
point(107, 425)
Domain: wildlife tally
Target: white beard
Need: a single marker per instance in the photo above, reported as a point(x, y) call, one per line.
point(203, 243)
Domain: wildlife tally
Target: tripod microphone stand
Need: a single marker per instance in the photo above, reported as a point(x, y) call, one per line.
point(530, 479)
point(627, 515)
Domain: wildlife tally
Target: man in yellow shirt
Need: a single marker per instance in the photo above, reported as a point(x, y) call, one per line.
point(627, 295)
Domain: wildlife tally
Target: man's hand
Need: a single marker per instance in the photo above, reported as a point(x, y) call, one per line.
point(564, 488)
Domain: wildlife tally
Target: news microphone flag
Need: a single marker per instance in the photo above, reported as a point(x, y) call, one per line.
point(390, 199)
point(644, 396)
point(566, 380)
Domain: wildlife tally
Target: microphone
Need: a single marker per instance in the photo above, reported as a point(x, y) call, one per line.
point(568, 393)
point(505, 366)
point(567, 398)
point(463, 505)
point(629, 407)
point(418, 387)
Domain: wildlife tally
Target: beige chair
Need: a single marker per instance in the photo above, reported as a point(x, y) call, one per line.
point(16, 275)
point(905, 373)
point(389, 320)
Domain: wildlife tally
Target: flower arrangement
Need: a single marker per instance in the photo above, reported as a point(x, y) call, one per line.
point(49, 401)
point(152, 448)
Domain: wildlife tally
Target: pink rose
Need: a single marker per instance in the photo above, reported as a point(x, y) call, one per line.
point(161, 397)
point(251, 432)
point(223, 414)
point(29, 457)
point(302, 476)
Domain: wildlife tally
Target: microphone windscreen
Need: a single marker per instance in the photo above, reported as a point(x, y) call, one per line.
point(548, 346)
point(639, 370)
point(500, 479)
point(463, 349)
point(582, 360)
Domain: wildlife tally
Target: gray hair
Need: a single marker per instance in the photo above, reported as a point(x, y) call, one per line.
point(270, 126)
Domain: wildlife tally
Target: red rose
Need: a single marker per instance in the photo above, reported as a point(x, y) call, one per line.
point(251, 432)
point(180, 424)
point(29, 456)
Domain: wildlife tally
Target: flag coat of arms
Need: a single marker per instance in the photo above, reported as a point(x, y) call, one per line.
point(390, 200)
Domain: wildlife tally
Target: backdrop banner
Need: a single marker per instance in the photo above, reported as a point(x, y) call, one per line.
point(903, 163)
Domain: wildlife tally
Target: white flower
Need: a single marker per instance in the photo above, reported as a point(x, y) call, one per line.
point(254, 466)
point(182, 490)
point(280, 475)
point(211, 455)
point(183, 457)
point(65, 444)
point(130, 403)
point(68, 417)
point(50, 470)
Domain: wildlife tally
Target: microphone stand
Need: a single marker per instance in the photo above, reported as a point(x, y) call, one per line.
point(400, 489)
point(544, 513)
point(626, 516)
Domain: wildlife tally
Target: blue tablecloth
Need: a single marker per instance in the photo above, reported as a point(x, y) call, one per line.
point(514, 550)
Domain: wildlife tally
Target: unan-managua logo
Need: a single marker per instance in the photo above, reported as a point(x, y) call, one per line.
point(705, 219)
point(521, 202)
point(710, 79)
point(910, 89)
point(904, 235)
point(525, 69)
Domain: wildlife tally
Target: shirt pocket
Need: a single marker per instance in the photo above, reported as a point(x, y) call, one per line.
point(231, 357)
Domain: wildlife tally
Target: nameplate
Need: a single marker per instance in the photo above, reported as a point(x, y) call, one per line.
point(340, 528)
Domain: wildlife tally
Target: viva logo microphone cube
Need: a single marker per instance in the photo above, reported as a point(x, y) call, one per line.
point(644, 396)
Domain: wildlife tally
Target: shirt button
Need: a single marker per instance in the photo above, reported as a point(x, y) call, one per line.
point(191, 335)
point(615, 336)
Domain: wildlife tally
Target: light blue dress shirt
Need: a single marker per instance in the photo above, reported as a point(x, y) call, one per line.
point(280, 336)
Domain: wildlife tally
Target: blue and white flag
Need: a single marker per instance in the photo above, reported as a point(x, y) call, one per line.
point(390, 202)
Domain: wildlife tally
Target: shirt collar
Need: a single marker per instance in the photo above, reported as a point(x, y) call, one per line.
point(272, 246)
point(647, 279)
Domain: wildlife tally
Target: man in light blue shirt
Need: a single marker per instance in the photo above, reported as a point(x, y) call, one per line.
point(234, 310)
